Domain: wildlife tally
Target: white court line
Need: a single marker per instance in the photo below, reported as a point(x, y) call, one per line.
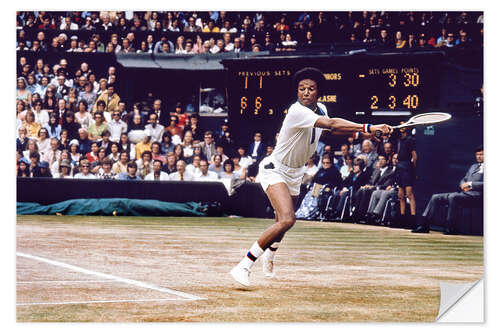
point(105, 301)
point(64, 282)
point(111, 277)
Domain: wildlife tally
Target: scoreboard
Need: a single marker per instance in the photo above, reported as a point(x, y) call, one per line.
point(358, 87)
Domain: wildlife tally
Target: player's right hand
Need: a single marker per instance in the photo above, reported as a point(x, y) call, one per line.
point(383, 128)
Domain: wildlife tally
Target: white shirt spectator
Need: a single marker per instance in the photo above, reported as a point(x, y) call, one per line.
point(176, 176)
point(116, 128)
point(209, 177)
point(195, 171)
point(246, 161)
point(42, 117)
point(156, 132)
point(163, 176)
point(72, 26)
point(82, 176)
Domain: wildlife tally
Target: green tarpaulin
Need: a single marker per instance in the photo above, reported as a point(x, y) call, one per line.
point(115, 206)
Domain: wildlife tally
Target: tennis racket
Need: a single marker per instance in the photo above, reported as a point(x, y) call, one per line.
point(422, 119)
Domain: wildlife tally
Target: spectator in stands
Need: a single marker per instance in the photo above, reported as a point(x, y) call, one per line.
point(144, 144)
point(68, 24)
point(166, 143)
point(174, 129)
point(83, 117)
point(88, 95)
point(181, 173)
point(116, 126)
point(156, 152)
point(114, 155)
point(69, 124)
point(22, 93)
point(32, 127)
point(194, 167)
point(192, 27)
point(97, 127)
point(380, 196)
point(105, 171)
point(154, 128)
point(92, 155)
point(41, 116)
point(126, 146)
point(470, 194)
point(187, 144)
point(257, 149)
point(105, 143)
point(327, 175)
point(64, 140)
point(50, 100)
point(84, 167)
point(131, 172)
point(170, 166)
point(369, 154)
point(41, 88)
point(53, 154)
point(43, 141)
point(205, 174)
point(399, 41)
point(121, 166)
point(22, 139)
point(382, 177)
point(211, 27)
point(183, 118)
point(42, 171)
point(208, 145)
point(110, 98)
point(311, 169)
point(74, 152)
point(23, 169)
point(217, 166)
point(194, 127)
point(157, 173)
point(351, 184)
point(239, 170)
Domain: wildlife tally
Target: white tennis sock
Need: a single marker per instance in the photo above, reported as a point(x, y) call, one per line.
point(271, 251)
point(252, 255)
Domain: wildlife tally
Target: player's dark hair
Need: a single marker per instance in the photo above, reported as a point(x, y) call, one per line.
point(310, 73)
point(479, 148)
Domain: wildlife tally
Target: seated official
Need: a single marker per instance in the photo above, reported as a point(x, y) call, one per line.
point(357, 178)
point(382, 177)
point(328, 174)
point(471, 193)
point(379, 197)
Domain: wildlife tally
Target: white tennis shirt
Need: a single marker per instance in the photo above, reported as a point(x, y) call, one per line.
point(298, 139)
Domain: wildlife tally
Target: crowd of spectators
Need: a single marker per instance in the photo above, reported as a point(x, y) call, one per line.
point(221, 31)
point(72, 122)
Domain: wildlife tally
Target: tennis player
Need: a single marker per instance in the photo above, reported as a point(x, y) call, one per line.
point(281, 173)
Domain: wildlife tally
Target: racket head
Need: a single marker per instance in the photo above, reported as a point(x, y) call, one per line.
point(426, 119)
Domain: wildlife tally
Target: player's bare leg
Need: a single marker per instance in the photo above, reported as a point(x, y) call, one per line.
point(270, 252)
point(284, 208)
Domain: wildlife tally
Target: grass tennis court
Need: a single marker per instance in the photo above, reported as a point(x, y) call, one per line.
point(129, 269)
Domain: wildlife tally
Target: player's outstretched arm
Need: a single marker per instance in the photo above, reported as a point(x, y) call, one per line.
point(343, 126)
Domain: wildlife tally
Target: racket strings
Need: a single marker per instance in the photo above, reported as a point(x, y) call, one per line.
point(430, 118)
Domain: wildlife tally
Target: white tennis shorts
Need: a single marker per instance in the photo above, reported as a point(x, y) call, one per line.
point(272, 172)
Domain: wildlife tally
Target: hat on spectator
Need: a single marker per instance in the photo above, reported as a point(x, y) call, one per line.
point(74, 37)
point(74, 142)
point(24, 160)
point(65, 163)
point(43, 164)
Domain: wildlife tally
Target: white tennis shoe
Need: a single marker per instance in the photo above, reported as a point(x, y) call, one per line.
point(241, 275)
point(267, 265)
